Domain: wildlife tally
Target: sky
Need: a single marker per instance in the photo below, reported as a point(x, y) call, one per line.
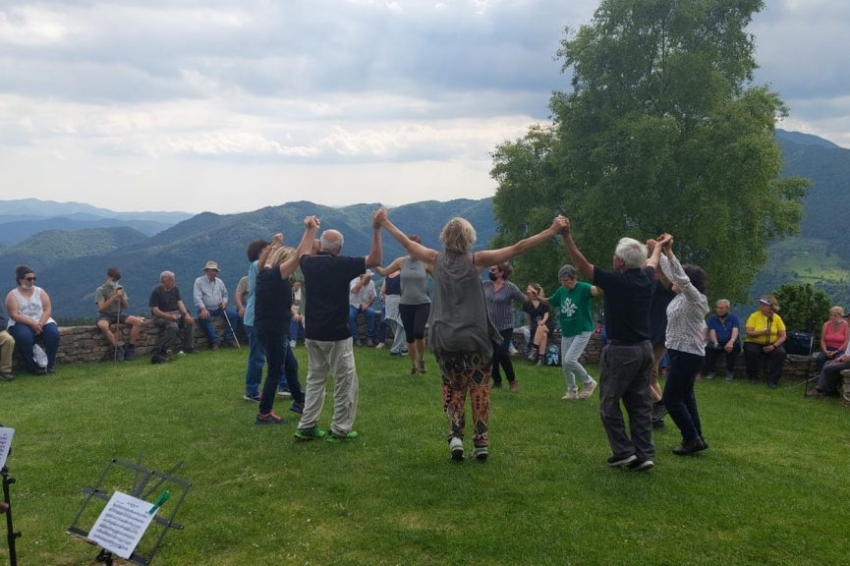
point(233, 105)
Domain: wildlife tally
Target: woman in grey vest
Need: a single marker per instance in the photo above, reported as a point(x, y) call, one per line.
point(415, 304)
point(459, 332)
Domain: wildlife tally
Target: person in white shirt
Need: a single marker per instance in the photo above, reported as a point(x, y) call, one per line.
point(361, 296)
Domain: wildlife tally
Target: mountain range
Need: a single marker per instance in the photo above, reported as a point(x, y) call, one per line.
point(70, 245)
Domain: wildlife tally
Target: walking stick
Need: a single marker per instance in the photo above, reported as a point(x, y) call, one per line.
point(230, 326)
point(117, 329)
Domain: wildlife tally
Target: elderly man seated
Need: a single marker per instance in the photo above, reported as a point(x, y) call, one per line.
point(724, 331)
point(361, 297)
point(210, 298)
point(171, 315)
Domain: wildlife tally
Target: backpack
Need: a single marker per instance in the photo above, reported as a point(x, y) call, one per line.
point(552, 357)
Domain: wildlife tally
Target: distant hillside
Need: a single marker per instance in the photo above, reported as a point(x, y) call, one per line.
point(24, 217)
point(185, 247)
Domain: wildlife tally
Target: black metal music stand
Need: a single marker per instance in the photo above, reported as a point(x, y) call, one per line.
point(142, 483)
point(11, 534)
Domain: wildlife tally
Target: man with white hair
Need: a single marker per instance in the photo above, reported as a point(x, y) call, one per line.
point(626, 363)
point(361, 297)
point(172, 316)
point(327, 335)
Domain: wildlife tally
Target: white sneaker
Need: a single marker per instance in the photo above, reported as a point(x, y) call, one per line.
point(456, 447)
point(570, 395)
point(587, 390)
point(379, 346)
point(292, 343)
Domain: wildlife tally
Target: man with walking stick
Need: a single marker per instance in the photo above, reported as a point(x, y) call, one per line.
point(112, 302)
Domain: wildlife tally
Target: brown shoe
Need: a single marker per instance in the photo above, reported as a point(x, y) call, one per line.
point(815, 393)
point(514, 387)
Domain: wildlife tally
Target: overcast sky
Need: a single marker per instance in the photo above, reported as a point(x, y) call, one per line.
point(232, 105)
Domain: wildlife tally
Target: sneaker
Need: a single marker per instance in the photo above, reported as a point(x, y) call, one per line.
point(181, 353)
point(306, 434)
point(380, 346)
point(532, 357)
point(540, 362)
point(615, 461)
point(815, 393)
point(709, 375)
point(730, 376)
point(255, 397)
point(268, 418)
point(456, 448)
point(422, 367)
point(283, 392)
point(772, 385)
point(331, 437)
point(215, 345)
point(129, 353)
point(512, 351)
point(297, 407)
point(641, 465)
point(292, 343)
point(50, 370)
point(6, 376)
point(570, 395)
point(587, 390)
point(513, 386)
point(480, 453)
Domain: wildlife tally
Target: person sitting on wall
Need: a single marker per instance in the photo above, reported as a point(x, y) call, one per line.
point(361, 296)
point(31, 322)
point(171, 315)
point(765, 338)
point(112, 302)
point(210, 298)
point(7, 346)
point(724, 330)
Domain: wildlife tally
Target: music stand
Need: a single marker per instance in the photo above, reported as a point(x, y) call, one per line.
point(142, 483)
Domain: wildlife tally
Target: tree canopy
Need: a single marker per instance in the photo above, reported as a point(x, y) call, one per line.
point(662, 131)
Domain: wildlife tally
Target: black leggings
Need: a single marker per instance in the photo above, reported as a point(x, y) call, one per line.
point(502, 358)
point(414, 318)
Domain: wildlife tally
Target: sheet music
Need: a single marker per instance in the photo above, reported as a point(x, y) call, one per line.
point(121, 524)
point(6, 435)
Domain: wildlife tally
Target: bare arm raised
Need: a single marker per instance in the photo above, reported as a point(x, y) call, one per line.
point(415, 249)
point(487, 258)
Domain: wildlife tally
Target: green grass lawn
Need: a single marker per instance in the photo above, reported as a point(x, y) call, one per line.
point(772, 489)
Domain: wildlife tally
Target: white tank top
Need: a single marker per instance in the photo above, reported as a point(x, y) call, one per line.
point(31, 307)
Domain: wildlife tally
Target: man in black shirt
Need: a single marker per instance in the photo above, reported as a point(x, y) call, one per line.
point(171, 315)
point(626, 363)
point(327, 335)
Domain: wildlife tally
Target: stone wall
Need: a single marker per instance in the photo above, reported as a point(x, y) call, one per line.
point(796, 369)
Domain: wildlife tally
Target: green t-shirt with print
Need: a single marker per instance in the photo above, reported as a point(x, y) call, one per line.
point(574, 308)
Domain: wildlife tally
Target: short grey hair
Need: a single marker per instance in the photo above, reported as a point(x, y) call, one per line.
point(166, 275)
point(567, 272)
point(331, 241)
point(632, 252)
point(724, 302)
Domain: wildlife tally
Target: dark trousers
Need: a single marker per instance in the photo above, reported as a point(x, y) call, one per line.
point(754, 353)
point(279, 358)
point(830, 376)
point(624, 371)
point(712, 354)
point(501, 358)
point(679, 395)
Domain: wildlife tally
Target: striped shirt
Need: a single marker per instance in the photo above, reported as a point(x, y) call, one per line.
point(685, 313)
point(500, 307)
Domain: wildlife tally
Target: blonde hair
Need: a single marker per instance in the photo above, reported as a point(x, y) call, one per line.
point(458, 235)
point(837, 310)
point(280, 255)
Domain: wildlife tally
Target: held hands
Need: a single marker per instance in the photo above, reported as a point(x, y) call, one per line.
point(277, 240)
point(312, 222)
point(379, 217)
point(559, 224)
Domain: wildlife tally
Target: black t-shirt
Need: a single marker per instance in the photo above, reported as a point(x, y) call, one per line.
point(661, 297)
point(165, 301)
point(272, 300)
point(327, 277)
point(627, 299)
point(536, 314)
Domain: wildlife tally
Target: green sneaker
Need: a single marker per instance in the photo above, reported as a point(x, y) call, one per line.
point(309, 433)
point(334, 438)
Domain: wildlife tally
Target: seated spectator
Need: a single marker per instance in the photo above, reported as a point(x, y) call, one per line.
point(30, 321)
point(361, 296)
point(7, 346)
point(240, 297)
point(296, 323)
point(830, 375)
point(724, 331)
point(112, 304)
point(833, 338)
point(171, 315)
point(539, 323)
point(765, 336)
point(210, 298)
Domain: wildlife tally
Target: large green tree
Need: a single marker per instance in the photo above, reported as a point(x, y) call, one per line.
point(662, 131)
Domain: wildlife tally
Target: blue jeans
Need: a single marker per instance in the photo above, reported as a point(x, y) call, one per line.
point(679, 395)
point(25, 337)
point(352, 321)
point(294, 328)
point(256, 361)
point(206, 324)
point(280, 359)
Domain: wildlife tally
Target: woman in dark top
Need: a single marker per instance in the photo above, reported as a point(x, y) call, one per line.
point(539, 322)
point(459, 332)
point(272, 314)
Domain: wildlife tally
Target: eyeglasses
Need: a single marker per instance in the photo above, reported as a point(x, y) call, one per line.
point(29, 278)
